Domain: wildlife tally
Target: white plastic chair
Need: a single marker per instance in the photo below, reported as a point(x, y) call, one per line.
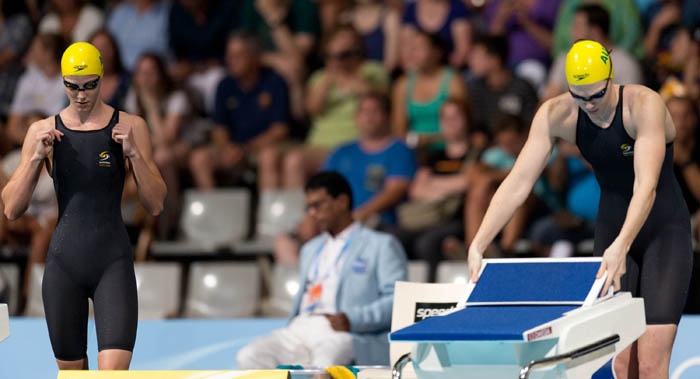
point(210, 221)
point(35, 303)
point(10, 282)
point(417, 271)
point(452, 272)
point(279, 211)
point(158, 285)
point(222, 289)
point(284, 287)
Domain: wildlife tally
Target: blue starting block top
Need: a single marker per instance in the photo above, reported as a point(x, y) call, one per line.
point(511, 297)
point(534, 282)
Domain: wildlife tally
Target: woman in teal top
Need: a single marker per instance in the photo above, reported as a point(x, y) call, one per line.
point(419, 94)
point(423, 115)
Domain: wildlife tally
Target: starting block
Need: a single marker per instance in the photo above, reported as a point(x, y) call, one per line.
point(4, 322)
point(539, 317)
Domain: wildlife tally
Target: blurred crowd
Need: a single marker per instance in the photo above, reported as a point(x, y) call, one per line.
point(422, 105)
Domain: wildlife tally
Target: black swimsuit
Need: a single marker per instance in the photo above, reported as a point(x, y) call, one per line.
point(90, 255)
point(659, 262)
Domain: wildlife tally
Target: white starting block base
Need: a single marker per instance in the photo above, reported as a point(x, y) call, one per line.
point(505, 359)
point(497, 338)
point(4, 322)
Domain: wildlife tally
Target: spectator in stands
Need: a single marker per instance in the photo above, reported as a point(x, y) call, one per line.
point(676, 66)
point(74, 20)
point(625, 25)
point(251, 113)
point(342, 312)
point(115, 80)
point(34, 9)
point(667, 13)
point(493, 88)
point(169, 114)
point(592, 21)
point(379, 25)
point(139, 26)
point(528, 25)
point(378, 166)
point(15, 38)
point(332, 99)
point(558, 233)
point(686, 154)
point(418, 95)
point(197, 39)
point(448, 19)
point(436, 195)
point(290, 30)
point(40, 88)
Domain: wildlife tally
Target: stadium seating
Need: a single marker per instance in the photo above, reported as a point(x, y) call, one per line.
point(35, 304)
point(10, 286)
point(452, 272)
point(210, 222)
point(417, 271)
point(284, 287)
point(278, 211)
point(158, 285)
point(222, 289)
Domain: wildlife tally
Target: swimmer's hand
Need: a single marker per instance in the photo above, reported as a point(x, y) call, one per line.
point(124, 135)
point(44, 143)
point(474, 262)
point(614, 262)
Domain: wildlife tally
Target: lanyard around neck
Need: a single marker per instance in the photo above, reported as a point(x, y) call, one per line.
point(317, 257)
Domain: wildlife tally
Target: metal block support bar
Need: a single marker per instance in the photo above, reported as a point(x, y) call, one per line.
point(561, 358)
point(399, 365)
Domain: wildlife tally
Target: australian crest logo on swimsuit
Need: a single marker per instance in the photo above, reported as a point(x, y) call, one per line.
point(627, 150)
point(105, 159)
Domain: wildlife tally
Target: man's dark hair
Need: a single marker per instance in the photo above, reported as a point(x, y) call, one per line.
point(333, 182)
point(381, 98)
point(495, 45)
point(503, 122)
point(252, 41)
point(597, 16)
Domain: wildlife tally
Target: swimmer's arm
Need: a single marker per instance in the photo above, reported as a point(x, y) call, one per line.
point(648, 116)
point(649, 152)
point(515, 188)
point(151, 187)
point(37, 147)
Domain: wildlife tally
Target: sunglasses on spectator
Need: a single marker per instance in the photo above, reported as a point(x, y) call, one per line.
point(86, 87)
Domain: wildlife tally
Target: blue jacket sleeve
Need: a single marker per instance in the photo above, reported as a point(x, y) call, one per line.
point(375, 316)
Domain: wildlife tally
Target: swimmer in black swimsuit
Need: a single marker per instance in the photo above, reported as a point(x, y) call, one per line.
point(643, 226)
point(88, 148)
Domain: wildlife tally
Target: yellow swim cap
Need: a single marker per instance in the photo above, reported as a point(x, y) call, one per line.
point(588, 62)
point(80, 59)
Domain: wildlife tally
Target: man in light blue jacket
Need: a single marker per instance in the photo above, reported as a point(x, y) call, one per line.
point(342, 313)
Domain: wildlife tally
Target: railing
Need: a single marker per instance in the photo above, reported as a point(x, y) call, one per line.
point(562, 358)
point(399, 365)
